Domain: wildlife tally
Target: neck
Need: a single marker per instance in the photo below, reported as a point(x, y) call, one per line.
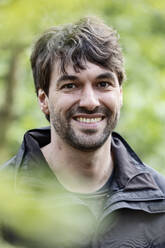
point(79, 171)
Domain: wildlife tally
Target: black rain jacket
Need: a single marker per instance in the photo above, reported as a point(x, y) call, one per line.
point(134, 209)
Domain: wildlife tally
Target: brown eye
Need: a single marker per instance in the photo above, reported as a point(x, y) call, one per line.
point(69, 86)
point(103, 84)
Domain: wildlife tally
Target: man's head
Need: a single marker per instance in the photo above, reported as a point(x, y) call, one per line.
point(74, 44)
point(78, 72)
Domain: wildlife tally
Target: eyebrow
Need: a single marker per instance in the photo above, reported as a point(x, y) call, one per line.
point(108, 75)
point(66, 78)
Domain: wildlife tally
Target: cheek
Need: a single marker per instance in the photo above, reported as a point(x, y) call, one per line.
point(62, 103)
point(112, 101)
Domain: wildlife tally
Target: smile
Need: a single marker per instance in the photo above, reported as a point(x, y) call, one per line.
point(88, 120)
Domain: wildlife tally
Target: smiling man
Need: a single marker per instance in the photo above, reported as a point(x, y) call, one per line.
point(84, 107)
point(78, 73)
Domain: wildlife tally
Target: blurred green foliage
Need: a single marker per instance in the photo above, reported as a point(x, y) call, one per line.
point(141, 25)
point(42, 216)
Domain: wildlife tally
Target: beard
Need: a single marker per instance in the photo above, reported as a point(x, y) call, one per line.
point(88, 139)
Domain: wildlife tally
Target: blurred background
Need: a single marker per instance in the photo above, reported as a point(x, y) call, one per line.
point(141, 25)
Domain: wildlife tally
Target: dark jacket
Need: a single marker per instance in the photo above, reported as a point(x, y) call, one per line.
point(134, 209)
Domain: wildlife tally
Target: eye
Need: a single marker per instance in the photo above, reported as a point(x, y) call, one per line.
point(103, 84)
point(69, 86)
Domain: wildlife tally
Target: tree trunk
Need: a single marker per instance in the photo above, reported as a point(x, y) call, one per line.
point(6, 112)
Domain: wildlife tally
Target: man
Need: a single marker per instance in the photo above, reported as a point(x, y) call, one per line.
point(78, 73)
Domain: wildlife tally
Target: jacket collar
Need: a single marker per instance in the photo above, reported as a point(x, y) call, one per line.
point(130, 172)
point(133, 186)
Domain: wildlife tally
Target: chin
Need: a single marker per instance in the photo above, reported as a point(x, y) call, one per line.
point(89, 146)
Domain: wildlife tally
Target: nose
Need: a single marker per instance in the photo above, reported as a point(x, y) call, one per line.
point(89, 98)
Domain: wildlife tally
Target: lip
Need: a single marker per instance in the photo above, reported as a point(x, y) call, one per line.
point(90, 116)
point(91, 125)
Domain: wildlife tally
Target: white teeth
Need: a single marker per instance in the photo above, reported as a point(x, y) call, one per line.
point(89, 120)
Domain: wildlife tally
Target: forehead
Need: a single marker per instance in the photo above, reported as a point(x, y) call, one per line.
point(89, 69)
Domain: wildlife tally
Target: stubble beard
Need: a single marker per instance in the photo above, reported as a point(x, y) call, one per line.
point(85, 141)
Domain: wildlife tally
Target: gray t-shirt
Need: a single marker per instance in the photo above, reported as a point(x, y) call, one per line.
point(95, 201)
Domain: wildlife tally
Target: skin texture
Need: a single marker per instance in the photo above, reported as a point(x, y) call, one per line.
point(84, 108)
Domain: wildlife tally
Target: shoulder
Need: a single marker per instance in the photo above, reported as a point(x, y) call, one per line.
point(39, 136)
point(159, 179)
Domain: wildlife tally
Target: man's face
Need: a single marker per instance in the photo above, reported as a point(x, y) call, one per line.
point(84, 106)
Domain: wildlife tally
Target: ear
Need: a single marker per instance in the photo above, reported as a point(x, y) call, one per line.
point(43, 101)
point(121, 96)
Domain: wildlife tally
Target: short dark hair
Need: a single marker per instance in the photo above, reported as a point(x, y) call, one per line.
point(87, 40)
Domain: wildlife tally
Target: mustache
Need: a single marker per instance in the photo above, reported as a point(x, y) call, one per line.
point(81, 110)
